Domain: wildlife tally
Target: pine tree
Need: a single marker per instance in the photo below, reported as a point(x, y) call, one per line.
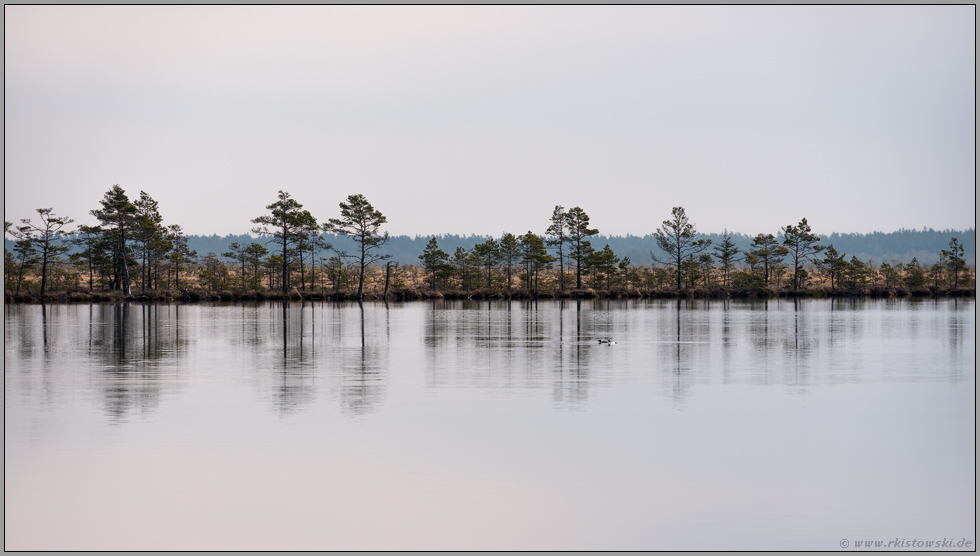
point(510, 252)
point(307, 231)
point(679, 239)
point(180, 253)
point(579, 246)
point(118, 217)
point(890, 274)
point(833, 264)
point(283, 224)
point(955, 263)
point(148, 230)
point(626, 268)
point(254, 255)
point(855, 272)
point(727, 255)
point(915, 276)
point(801, 244)
point(238, 254)
point(434, 261)
point(603, 264)
point(534, 257)
point(461, 261)
point(489, 256)
point(556, 233)
point(317, 244)
point(361, 222)
point(213, 273)
point(705, 264)
point(691, 271)
point(770, 254)
point(46, 238)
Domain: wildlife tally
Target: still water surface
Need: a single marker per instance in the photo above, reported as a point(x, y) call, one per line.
point(489, 425)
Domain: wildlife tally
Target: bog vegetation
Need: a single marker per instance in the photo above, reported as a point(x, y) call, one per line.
point(132, 254)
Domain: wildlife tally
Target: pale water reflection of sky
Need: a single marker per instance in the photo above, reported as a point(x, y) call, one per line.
point(481, 119)
point(489, 425)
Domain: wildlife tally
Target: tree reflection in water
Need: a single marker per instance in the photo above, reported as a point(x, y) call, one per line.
point(296, 353)
point(363, 370)
point(502, 345)
point(125, 353)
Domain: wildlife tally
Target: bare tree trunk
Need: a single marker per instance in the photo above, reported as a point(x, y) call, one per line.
point(44, 270)
point(360, 282)
point(284, 291)
point(679, 262)
point(127, 289)
point(387, 280)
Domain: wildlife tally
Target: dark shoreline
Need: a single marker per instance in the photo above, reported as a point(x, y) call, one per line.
point(410, 294)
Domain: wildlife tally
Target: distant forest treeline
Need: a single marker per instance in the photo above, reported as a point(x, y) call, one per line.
point(900, 246)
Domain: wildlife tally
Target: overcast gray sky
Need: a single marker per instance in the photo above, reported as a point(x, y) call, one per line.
point(479, 120)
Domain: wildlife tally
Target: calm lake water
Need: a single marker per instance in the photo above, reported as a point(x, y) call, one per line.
point(489, 425)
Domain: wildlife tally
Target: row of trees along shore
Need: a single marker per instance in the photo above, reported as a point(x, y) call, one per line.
point(132, 254)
